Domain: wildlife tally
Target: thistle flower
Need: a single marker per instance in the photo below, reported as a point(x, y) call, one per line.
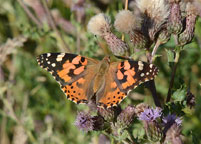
point(152, 128)
point(175, 25)
point(150, 114)
point(172, 118)
point(187, 35)
point(87, 123)
point(100, 25)
point(155, 14)
point(126, 117)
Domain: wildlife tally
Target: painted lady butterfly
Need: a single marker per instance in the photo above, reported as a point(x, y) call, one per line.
point(83, 78)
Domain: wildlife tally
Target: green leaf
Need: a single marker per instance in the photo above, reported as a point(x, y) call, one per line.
point(179, 94)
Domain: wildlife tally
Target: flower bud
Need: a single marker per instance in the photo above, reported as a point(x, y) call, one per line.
point(187, 35)
point(175, 25)
point(153, 131)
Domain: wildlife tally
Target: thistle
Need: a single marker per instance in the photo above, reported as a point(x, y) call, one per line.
point(100, 25)
point(150, 121)
point(175, 25)
point(172, 130)
point(187, 35)
point(130, 23)
point(126, 117)
point(155, 15)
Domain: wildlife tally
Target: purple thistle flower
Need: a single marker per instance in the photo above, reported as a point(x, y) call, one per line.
point(172, 118)
point(150, 114)
point(84, 122)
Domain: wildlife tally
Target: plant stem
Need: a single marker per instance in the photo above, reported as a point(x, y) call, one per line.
point(53, 26)
point(152, 88)
point(173, 76)
point(154, 50)
point(32, 17)
point(126, 8)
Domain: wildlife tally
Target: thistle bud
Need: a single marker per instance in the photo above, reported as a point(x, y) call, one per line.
point(100, 25)
point(187, 35)
point(164, 36)
point(175, 25)
point(126, 117)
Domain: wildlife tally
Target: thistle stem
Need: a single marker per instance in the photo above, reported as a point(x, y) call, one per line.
point(173, 76)
point(154, 50)
point(126, 8)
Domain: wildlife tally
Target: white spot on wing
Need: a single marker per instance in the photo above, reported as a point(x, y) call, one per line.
point(48, 54)
point(142, 74)
point(140, 65)
point(48, 62)
point(151, 65)
point(60, 57)
point(147, 73)
point(53, 65)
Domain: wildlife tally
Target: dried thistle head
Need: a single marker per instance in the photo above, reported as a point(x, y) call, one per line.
point(126, 21)
point(99, 24)
point(155, 14)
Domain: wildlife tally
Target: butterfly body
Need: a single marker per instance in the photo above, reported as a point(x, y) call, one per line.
point(83, 78)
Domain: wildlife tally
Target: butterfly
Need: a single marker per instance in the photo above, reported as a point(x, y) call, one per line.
point(82, 78)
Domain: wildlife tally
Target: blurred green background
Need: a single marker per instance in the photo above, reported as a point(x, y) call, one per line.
point(33, 109)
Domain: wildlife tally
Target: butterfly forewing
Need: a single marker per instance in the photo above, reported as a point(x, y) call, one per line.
point(71, 72)
point(130, 74)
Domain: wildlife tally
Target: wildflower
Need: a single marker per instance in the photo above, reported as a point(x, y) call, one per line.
point(87, 123)
point(126, 117)
point(150, 114)
point(152, 128)
point(172, 118)
point(100, 25)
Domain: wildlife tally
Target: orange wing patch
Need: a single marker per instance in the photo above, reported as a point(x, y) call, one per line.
point(74, 92)
point(112, 98)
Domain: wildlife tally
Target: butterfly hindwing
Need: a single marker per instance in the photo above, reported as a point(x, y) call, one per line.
point(70, 71)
